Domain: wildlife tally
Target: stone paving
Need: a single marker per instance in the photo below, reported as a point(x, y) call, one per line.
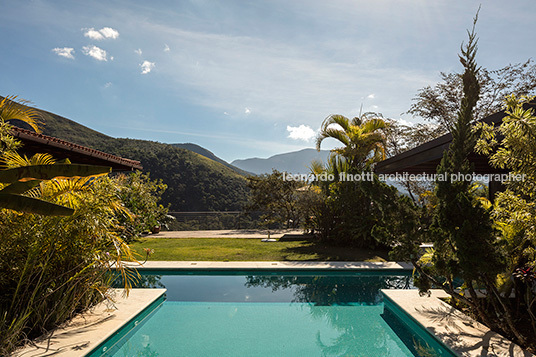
point(459, 332)
point(231, 233)
point(290, 265)
point(86, 331)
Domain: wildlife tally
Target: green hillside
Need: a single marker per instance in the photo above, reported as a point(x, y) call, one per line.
point(66, 129)
point(195, 183)
point(210, 155)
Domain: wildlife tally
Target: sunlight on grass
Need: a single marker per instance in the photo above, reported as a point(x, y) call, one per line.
point(229, 249)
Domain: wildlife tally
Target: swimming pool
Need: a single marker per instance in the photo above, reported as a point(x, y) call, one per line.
point(274, 313)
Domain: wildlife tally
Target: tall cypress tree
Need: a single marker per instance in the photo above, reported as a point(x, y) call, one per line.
point(464, 241)
point(465, 244)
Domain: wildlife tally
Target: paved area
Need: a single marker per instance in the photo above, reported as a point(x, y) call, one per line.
point(86, 331)
point(230, 233)
point(459, 332)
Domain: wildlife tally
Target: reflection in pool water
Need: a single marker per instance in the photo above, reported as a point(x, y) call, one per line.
point(261, 314)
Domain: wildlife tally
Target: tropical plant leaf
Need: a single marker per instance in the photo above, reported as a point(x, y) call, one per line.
point(47, 172)
point(14, 159)
point(33, 205)
point(12, 108)
point(20, 187)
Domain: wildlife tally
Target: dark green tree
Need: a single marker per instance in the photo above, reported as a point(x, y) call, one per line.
point(277, 198)
point(465, 243)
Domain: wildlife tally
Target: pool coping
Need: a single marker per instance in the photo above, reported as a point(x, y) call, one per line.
point(273, 265)
point(462, 334)
point(88, 330)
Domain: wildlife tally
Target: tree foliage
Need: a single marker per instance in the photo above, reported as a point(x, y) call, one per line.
point(489, 250)
point(357, 209)
point(439, 104)
point(141, 196)
point(514, 213)
point(278, 199)
point(363, 138)
point(16, 180)
point(455, 200)
point(401, 138)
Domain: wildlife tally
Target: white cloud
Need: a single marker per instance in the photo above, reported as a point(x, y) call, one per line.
point(98, 53)
point(284, 83)
point(138, 51)
point(93, 34)
point(66, 52)
point(166, 48)
point(108, 85)
point(146, 67)
point(302, 132)
point(105, 32)
point(247, 111)
point(370, 96)
point(109, 32)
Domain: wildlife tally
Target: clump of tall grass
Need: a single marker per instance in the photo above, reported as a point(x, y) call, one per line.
point(51, 267)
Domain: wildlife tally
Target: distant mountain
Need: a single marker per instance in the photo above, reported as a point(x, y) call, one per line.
point(208, 154)
point(195, 182)
point(296, 162)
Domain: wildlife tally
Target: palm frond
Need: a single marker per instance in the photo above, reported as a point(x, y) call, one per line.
point(337, 119)
point(12, 108)
point(12, 159)
point(316, 167)
point(374, 124)
point(336, 134)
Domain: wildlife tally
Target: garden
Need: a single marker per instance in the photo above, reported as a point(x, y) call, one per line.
point(65, 227)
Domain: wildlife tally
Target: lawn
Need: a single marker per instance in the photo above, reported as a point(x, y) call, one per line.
point(233, 249)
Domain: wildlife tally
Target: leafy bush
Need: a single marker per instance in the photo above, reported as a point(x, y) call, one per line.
point(53, 267)
point(140, 195)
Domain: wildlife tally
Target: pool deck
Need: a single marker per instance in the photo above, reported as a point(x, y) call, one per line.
point(279, 265)
point(86, 331)
point(459, 332)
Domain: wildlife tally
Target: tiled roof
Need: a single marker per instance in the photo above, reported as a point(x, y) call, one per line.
point(72, 150)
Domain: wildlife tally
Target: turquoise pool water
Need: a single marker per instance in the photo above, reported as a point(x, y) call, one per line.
point(274, 314)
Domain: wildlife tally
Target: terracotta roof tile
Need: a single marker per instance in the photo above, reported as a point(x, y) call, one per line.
point(28, 135)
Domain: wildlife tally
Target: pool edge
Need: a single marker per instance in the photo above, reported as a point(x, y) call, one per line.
point(89, 330)
point(460, 333)
point(273, 265)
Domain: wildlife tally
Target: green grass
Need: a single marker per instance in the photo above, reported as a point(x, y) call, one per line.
point(229, 249)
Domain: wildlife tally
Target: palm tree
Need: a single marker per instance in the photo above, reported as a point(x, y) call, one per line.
point(363, 138)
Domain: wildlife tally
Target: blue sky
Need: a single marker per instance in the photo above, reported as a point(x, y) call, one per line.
point(243, 78)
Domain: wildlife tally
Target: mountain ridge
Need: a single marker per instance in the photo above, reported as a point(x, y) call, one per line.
point(210, 155)
point(195, 182)
point(295, 162)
